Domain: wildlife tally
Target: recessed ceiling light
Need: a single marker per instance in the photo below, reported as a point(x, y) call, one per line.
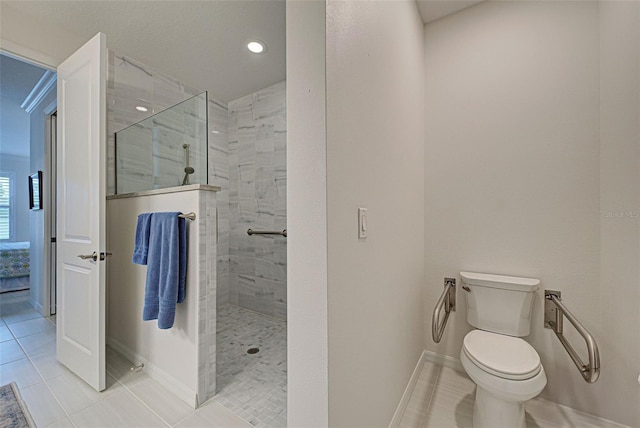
point(256, 46)
point(140, 108)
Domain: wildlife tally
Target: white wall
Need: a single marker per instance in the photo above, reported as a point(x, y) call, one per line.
point(14, 128)
point(20, 166)
point(619, 293)
point(22, 34)
point(375, 149)
point(307, 380)
point(183, 356)
point(513, 174)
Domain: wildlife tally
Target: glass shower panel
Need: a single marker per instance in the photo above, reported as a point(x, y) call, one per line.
point(167, 149)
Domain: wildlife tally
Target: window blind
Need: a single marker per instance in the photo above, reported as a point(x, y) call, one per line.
point(5, 207)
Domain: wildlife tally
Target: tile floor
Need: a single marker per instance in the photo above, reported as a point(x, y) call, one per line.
point(252, 386)
point(57, 398)
point(444, 398)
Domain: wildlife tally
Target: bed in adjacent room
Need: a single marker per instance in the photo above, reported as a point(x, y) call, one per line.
point(14, 266)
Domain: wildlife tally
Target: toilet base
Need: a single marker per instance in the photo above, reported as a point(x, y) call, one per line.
point(492, 412)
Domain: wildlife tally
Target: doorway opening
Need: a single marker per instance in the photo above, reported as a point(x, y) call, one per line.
point(27, 103)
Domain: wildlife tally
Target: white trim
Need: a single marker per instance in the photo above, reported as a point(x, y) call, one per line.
point(408, 392)
point(443, 360)
point(172, 384)
point(37, 306)
point(23, 53)
point(39, 91)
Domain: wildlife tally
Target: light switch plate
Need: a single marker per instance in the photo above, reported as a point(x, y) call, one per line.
point(362, 223)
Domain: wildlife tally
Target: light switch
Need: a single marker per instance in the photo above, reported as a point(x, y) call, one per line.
point(362, 223)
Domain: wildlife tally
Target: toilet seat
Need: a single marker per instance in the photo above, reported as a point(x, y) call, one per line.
point(500, 355)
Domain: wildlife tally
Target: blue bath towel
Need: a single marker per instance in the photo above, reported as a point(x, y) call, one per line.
point(141, 246)
point(166, 268)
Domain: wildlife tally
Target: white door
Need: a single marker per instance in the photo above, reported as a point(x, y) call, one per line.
point(81, 189)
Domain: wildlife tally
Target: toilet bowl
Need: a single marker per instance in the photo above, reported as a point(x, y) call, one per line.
point(506, 369)
point(507, 372)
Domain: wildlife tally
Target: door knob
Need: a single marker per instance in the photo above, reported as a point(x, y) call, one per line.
point(93, 256)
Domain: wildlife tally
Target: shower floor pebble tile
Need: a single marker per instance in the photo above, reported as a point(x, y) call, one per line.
point(253, 386)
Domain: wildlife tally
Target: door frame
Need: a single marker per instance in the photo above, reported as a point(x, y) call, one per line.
point(49, 295)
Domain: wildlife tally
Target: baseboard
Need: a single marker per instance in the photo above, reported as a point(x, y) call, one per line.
point(406, 396)
point(159, 375)
point(38, 307)
point(443, 360)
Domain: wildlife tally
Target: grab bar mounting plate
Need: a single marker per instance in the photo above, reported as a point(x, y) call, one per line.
point(451, 301)
point(550, 309)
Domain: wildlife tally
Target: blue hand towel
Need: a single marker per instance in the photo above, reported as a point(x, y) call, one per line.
point(166, 268)
point(141, 246)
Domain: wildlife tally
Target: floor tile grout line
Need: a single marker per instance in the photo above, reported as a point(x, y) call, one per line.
point(185, 418)
point(433, 392)
point(213, 400)
point(138, 398)
point(44, 381)
point(27, 335)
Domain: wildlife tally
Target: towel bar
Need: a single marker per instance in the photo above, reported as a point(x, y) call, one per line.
point(554, 310)
point(189, 216)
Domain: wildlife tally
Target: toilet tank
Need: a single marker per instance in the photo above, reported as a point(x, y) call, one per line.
point(499, 304)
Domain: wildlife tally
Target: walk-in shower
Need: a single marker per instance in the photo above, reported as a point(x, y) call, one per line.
point(252, 286)
point(237, 146)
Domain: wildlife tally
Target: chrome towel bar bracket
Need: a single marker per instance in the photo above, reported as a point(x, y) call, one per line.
point(554, 311)
point(188, 216)
point(448, 302)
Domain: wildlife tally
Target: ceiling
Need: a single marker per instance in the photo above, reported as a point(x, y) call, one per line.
point(17, 79)
point(430, 10)
point(201, 43)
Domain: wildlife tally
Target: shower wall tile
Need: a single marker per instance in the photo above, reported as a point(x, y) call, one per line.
point(219, 176)
point(208, 295)
point(257, 199)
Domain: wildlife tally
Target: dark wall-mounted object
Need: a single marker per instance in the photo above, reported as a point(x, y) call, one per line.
point(35, 191)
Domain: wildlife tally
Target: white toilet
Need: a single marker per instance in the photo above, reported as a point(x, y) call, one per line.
point(505, 368)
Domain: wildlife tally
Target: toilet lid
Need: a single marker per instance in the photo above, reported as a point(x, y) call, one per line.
point(504, 356)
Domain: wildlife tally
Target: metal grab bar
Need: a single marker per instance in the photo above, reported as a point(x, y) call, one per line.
point(448, 301)
point(554, 310)
point(267, 232)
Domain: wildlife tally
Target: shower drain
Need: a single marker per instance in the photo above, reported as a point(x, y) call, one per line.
point(253, 350)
